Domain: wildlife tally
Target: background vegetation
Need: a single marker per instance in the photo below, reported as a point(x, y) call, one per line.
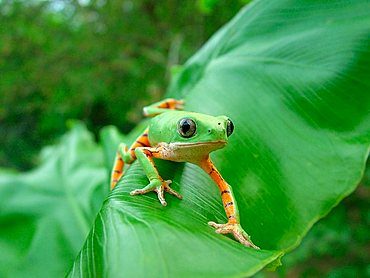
point(100, 62)
point(97, 61)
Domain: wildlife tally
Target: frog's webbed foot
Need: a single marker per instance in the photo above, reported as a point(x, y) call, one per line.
point(236, 230)
point(159, 187)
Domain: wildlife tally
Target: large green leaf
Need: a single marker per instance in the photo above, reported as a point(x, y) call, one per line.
point(46, 214)
point(293, 76)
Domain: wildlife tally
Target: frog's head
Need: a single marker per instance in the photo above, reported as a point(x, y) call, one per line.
point(196, 128)
point(202, 134)
point(194, 133)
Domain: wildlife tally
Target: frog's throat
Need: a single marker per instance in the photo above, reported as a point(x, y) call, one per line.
point(189, 152)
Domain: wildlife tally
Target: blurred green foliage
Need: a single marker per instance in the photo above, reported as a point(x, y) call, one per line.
point(98, 61)
point(337, 246)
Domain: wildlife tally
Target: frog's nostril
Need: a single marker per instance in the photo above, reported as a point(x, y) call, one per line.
point(219, 123)
point(209, 130)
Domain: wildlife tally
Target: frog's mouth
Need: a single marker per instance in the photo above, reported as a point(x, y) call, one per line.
point(211, 143)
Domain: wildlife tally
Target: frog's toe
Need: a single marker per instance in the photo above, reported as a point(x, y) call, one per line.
point(160, 194)
point(158, 187)
point(165, 186)
point(219, 227)
point(139, 191)
point(150, 187)
point(168, 189)
point(236, 230)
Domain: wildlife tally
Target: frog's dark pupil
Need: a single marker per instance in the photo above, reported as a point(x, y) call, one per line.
point(185, 126)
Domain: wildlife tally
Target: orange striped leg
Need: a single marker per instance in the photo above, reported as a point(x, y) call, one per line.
point(233, 224)
point(171, 103)
point(127, 156)
point(156, 183)
point(119, 163)
point(141, 141)
point(163, 106)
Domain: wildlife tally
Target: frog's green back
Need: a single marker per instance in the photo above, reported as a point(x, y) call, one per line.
point(163, 128)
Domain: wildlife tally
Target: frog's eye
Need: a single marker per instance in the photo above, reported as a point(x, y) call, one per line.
point(229, 128)
point(186, 127)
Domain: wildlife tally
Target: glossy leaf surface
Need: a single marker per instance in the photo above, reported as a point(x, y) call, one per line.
point(293, 77)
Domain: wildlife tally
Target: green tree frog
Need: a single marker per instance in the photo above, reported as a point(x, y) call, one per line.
point(182, 137)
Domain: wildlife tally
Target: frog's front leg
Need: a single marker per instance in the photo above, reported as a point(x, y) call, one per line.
point(156, 183)
point(233, 225)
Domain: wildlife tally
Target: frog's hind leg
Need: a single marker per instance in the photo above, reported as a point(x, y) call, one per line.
point(156, 183)
point(125, 155)
point(141, 141)
point(233, 224)
point(119, 163)
point(163, 106)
